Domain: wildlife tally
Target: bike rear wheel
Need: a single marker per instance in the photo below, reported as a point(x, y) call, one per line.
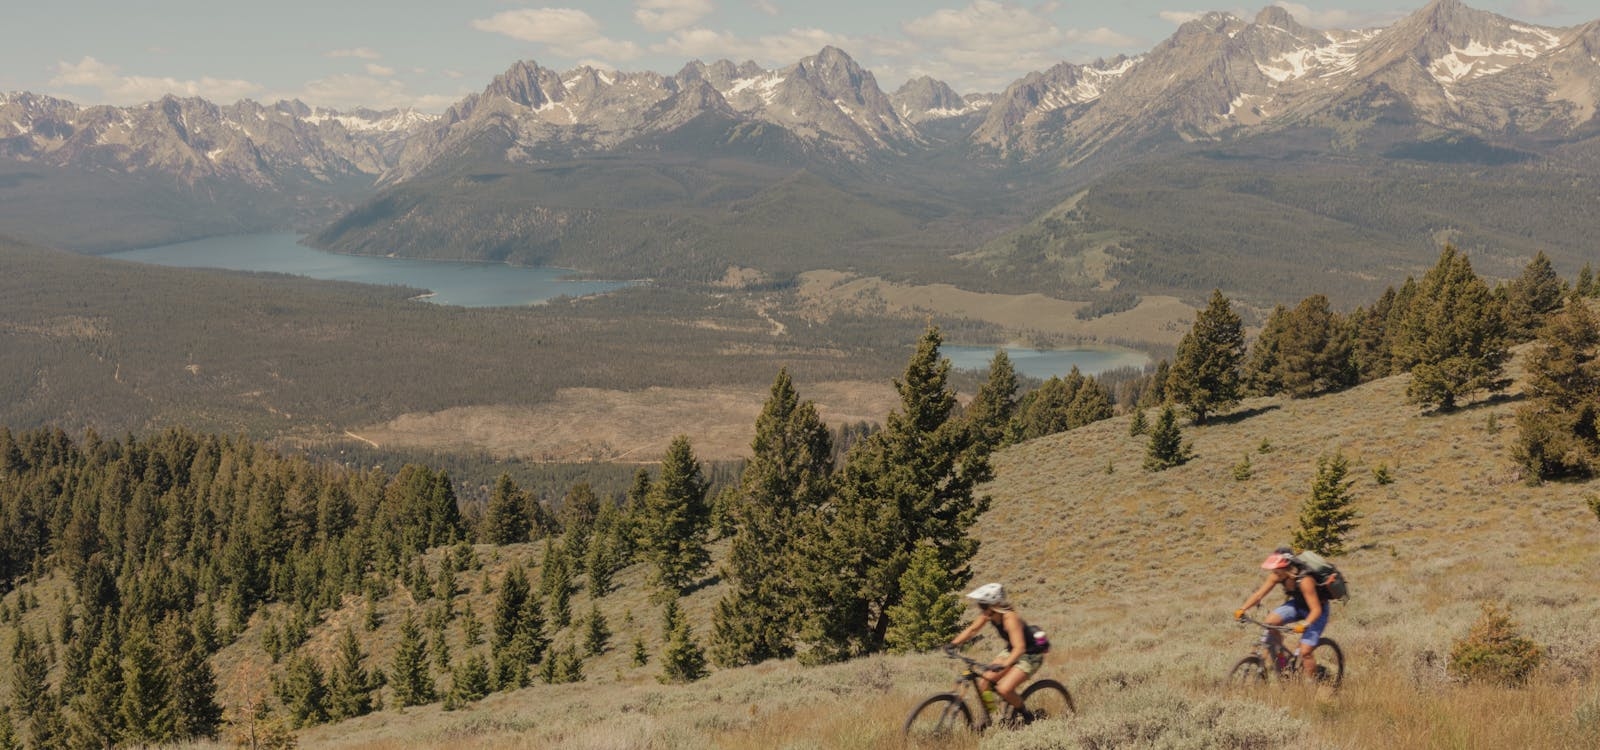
point(937, 721)
point(1048, 699)
point(1330, 663)
point(1250, 671)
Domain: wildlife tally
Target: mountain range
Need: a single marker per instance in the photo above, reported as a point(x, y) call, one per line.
point(814, 165)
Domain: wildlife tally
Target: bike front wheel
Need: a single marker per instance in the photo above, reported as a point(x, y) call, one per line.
point(1048, 699)
point(1248, 672)
point(937, 721)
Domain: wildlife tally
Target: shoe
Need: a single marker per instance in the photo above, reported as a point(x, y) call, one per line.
point(1024, 717)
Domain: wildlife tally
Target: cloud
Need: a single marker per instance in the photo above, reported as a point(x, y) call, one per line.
point(348, 91)
point(567, 32)
point(1338, 18)
point(1538, 8)
point(989, 42)
point(670, 15)
point(362, 53)
point(705, 44)
point(379, 70)
point(116, 88)
point(1180, 17)
point(766, 6)
point(1101, 37)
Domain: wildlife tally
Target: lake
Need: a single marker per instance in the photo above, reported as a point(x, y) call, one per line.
point(1045, 363)
point(450, 282)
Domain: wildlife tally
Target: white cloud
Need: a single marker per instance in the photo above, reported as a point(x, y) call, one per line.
point(362, 53)
point(1179, 17)
point(670, 15)
point(1101, 37)
point(1538, 8)
point(1338, 18)
point(379, 70)
point(347, 91)
point(767, 6)
point(567, 32)
point(116, 88)
point(783, 49)
point(989, 42)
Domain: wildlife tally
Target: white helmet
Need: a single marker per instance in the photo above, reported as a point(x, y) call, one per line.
point(989, 594)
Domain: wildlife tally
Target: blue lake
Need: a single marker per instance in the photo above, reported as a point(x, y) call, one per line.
point(1043, 364)
point(450, 282)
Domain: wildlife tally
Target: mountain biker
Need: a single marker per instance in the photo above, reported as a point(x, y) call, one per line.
point(1302, 607)
point(1015, 665)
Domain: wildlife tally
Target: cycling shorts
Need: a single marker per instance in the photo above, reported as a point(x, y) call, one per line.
point(1029, 663)
point(1295, 610)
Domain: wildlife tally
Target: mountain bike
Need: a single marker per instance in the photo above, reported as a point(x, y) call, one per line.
point(1279, 661)
point(945, 716)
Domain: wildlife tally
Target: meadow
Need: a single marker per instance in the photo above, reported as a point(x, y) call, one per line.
point(1135, 575)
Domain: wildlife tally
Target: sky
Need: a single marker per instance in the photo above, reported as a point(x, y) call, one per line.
point(428, 55)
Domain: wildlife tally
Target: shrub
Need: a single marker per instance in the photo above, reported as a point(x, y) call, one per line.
point(1382, 475)
point(1495, 652)
point(1242, 470)
point(1594, 505)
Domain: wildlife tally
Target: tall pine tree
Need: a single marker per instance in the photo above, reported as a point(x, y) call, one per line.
point(1205, 371)
point(1455, 335)
point(676, 519)
point(1327, 516)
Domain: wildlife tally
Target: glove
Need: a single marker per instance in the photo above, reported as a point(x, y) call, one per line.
point(1238, 614)
point(1299, 627)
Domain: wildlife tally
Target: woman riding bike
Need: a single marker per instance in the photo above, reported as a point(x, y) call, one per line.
point(1014, 665)
point(1303, 606)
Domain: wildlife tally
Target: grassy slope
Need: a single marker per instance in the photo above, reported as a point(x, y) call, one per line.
point(1135, 575)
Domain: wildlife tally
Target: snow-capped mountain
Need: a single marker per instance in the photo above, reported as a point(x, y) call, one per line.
point(195, 140)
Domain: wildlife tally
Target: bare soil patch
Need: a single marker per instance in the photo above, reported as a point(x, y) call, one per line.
point(592, 424)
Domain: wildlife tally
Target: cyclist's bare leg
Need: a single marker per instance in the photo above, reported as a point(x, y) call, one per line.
point(1308, 663)
point(1273, 636)
point(1007, 687)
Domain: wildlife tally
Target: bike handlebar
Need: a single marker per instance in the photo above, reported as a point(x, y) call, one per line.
point(951, 651)
point(1253, 621)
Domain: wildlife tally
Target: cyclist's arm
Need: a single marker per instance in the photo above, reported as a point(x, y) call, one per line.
point(971, 630)
point(1308, 589)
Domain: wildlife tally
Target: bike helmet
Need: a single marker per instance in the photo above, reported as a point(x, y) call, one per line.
point(989, 594)
point(1281, 557)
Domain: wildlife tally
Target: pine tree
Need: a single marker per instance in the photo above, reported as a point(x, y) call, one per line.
point(1166, 448)
point(1559, 428)
point(1139, 425)
point(192, 685)
point(1537, 293)
point(676, 518)
point(785, 482)
point(144, 711)
point(1327, 516)
point(517, 638)
point(351, 689)
point(1586, 286)
point(97, 721)
point(578, 512)
point(927, 615)
point(1157, 393)
point(1455, 335)
point(914, 483)
point(303, 690)
point(8, 732)
point(408, 675)
point(683, 660)
point(507, 520)
point(469, 683)
point(1314, 350)
point(1259, 373)
point(596, 633)
point(995, 404)
point(555, 584)
point(1205, 373)
point(641, 654)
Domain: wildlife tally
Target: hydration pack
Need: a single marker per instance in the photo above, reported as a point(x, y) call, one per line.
point(1331, 583)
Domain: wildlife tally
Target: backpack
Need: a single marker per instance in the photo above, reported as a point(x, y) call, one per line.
point(1034, 636)
point(1331, 584)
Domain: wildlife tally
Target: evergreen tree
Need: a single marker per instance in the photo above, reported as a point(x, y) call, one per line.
point(911, 484)
point(555, 584)
point(1205, 373)
point(192, 685)
point(1537, 293)
point(507, 520)
point(1044, 410)
point(303, 690)
point(144, 711)
point(1559, 428)
point(993, 407)
point(568, 665)
point(1138, 425)
point(1586, 286)
point(1327, 516)
point(30, 673)
point(641, 654)
point(352, 691)
point(517, 638)
point(96, 707)
point(8, 732)
point(785, 482)
point(1260, 373)
point(1370, 339)
point(1454, 334)
point(1166, 448)
point(927, 615)
point(596, 633)
point(469, 683)
point(683, 660)
point(1157, 393)
point(676, 518)
point(409, 676)
point(1314, 350)
point(578, 512)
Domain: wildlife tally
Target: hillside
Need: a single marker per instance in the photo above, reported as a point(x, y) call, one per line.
point(1135, 575)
